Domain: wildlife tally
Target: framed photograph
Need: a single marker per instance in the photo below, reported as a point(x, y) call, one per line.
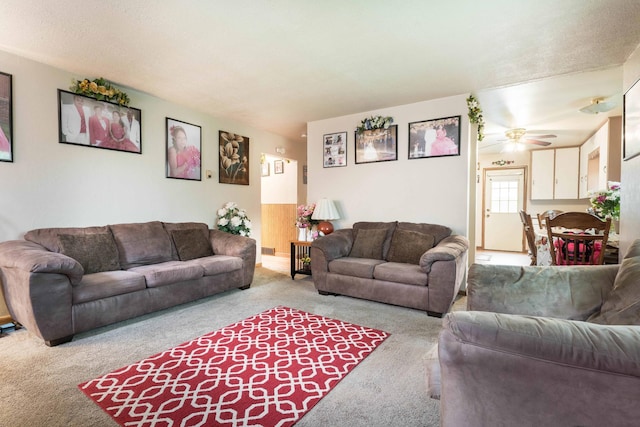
point(6, 118)
point(264, 168)
point(184, 150)
point(100, 124)
point(631, 122)
point(234, 158)
point(278, 166)
point(377, 145)
point(434, 138)
point(335, 150)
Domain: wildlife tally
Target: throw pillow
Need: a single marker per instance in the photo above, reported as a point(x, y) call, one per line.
point(622, 305)
point(96, 252)
point(368, 243)
point(191, 243)
point(408, 246)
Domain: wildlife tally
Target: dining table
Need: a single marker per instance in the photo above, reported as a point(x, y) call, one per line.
point(544, 253)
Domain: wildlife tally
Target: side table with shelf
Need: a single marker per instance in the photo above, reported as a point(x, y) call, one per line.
point(299, 250)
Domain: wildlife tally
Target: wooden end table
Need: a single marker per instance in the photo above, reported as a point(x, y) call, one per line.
point(300, 250)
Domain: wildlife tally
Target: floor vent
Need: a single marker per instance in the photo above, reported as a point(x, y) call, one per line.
point(268, 251)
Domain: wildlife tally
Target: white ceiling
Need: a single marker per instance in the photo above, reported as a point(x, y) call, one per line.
point(278, 64)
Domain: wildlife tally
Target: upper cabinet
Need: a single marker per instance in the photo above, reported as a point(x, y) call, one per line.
point(601, 157)
point(555, 173)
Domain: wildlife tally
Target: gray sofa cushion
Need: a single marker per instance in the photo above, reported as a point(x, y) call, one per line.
point(368, 243)
point(190, 243)
point(142, 243)
point(365, 225)
point(357, 267)
point(95, 252)
point(172, 226)
point(48, 237)
point(401, 273)
point(408, 246)
point(218, 264)
point(106, 284)
point(622, 305)
point(439, 232)
point(167, 273)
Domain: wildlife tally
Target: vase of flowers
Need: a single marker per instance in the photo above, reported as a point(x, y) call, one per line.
point(304, 221)
point(306, 263)
point(606, 203)
point(234, 220)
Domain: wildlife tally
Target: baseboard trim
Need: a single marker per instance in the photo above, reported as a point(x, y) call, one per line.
point(5, 319)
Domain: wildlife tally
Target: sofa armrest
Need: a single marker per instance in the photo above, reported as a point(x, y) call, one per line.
point(335, 245)
point(563, 292)
point(448, 249)
point(33, 258)
point(543, 370)
point(224, 243)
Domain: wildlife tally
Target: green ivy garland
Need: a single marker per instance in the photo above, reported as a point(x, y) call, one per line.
point(475, 115)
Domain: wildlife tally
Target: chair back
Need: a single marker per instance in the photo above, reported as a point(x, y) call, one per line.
point(577, 238)
point(527, 226)
point(546, 214)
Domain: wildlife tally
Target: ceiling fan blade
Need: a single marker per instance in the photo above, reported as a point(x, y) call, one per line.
point(544, 136)
point(536, 142)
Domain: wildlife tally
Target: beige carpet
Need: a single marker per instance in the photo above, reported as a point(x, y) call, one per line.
point(38, 384)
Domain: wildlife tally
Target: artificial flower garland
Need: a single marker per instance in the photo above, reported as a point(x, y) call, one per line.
point(99, 89)
point(475, 115)
point(374, 122)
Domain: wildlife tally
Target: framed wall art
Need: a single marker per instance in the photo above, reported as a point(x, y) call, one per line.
point(234, 158)
point(264, 168)
point(631, 122)
point(184, 150)
point(434, 138)
point(278, 166)
point(6, 118)
point(377, 145)
point(335, 150)
point(100, 124)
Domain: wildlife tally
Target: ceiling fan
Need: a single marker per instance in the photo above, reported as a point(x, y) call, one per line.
point(516, 139)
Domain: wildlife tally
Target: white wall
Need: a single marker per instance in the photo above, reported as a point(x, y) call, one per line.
point(280, 188)
point(432, 190)
point(630, 173)
point(56, 185)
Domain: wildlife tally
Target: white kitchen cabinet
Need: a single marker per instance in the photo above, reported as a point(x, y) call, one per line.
point(555, 173)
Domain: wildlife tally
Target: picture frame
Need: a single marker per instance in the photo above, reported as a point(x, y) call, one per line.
point(233, 158)
point(183, 150)
point(334, 150)
point(6, 117)
point(107, 125)
point(278, 166)
point(377, 145)
point(434, 138)
point(631, 122)
point(264, 168)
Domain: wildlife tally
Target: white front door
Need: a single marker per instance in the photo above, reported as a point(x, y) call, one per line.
point(504, 198)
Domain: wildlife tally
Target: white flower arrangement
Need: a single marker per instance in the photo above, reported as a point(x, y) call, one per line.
point(233, 220)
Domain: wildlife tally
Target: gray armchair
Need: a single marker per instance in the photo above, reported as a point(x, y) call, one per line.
point(544, 346)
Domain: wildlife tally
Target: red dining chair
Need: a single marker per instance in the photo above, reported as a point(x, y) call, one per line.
point(578, 238)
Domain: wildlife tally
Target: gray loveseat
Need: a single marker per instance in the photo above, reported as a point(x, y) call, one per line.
point(62, 281)
point(409, 264)
point(544, 346)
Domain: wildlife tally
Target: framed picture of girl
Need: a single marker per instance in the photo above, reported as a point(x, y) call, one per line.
point(99, 124)
point(184, 148)
point(434, 138)
point(6, 119)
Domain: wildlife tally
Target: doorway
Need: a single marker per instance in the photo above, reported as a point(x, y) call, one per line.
point(504, 197)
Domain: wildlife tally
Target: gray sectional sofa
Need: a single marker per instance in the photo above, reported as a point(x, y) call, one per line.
point(62, 281)
point(413, 265)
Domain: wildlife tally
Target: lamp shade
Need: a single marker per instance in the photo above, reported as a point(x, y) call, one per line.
point(325, 210)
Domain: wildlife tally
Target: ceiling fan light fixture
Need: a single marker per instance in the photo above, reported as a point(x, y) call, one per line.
point(598, 105)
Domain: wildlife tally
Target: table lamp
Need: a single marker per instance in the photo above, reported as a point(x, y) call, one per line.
point(325, 211)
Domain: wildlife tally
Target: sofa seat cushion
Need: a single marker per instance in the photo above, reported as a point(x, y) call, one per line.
point(107, 284)
point(218, 264)
point(409, 274)
point(169, 272)
point(356, 267)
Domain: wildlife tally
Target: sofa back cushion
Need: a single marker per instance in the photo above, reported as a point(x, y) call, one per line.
point(622, 305)
point(408, 246)
point(388, 226)
point(175, 226)
point(368, 243)
point(49, 237)
point(142, 243)
point(96, 252)
point(438, 232)
point(191, 244)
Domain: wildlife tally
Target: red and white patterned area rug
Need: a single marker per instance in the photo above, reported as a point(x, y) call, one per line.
point(267, 370)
